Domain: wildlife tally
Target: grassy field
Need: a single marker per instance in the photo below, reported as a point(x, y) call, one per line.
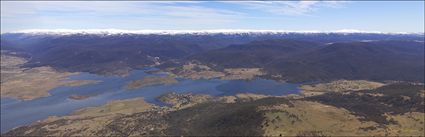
point(313, 119)
point(31, 83)
point(88, 121)
point(338, 86)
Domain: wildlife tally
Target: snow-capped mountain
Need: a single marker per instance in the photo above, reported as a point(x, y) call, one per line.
point(278, 52)
point(194, 32)
point(208, 39)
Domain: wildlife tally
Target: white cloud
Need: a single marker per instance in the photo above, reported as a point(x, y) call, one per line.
point(292, 8)
point(199, 12)
point(109, 13)
point(16, 8)
point(143, 14)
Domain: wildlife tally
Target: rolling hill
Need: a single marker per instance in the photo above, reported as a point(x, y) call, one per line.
point(296, 57)
point(302, 61)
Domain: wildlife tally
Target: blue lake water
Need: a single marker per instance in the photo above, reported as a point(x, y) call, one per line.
point(16, 113)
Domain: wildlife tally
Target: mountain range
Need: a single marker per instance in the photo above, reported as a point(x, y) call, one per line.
point(295, 56)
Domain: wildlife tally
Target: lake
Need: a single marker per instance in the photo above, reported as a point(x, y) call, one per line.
point(16, 113)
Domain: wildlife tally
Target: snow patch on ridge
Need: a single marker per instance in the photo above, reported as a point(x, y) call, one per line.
point(197, 32)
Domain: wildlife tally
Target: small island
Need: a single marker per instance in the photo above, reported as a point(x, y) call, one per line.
point(150, 81)
point(78, 97)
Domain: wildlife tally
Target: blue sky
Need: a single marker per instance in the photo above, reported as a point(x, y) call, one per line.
point(385, 16)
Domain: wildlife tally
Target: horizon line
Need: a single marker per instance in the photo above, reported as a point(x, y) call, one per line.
point(185, 31)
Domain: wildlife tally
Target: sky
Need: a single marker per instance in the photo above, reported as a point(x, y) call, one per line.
point(384, 16)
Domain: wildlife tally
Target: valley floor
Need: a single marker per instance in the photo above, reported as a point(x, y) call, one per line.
point(336, 108)
point(31, 83)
